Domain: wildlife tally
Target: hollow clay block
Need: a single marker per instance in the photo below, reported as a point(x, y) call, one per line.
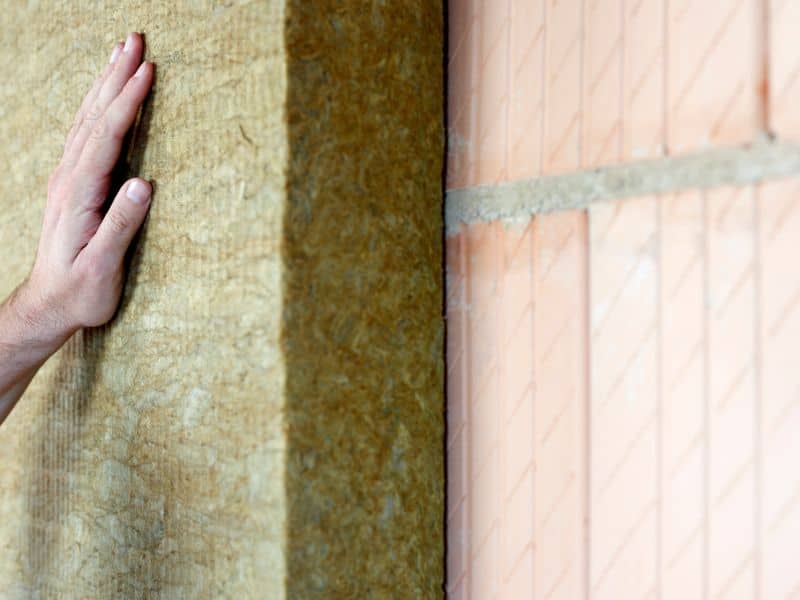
point(263, 417)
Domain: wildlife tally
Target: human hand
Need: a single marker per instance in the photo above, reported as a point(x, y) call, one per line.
point(78, 275)
point(77, 278)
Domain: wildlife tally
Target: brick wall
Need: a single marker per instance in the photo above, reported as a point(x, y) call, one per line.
point(623, 405)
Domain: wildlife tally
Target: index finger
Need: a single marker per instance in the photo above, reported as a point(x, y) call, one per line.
point(90, 96)
point(101, 150)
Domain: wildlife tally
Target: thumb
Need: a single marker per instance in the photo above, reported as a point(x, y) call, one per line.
point(123, 219)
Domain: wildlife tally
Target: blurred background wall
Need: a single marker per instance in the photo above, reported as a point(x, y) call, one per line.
point(623, 401)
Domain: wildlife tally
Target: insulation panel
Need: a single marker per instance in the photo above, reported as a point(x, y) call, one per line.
point(264, 416)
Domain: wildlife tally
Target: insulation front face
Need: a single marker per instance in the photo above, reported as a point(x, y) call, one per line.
point(263, 417)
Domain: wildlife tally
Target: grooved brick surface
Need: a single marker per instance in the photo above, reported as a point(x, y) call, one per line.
point(560, 397)
point(784, 67)
point(731, 408)
point(515, 394)
point(643, 79)
point(681, 263)
point(629, 373)
point(624, 400)
point(539, 87)
point(562, 86)
point(778, 329)
point(714, 73)
point(604, 65)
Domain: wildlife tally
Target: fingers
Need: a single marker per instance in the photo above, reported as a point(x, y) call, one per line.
point(102, 148)
point(122, 221)
point(91, 96)
point(121, 70)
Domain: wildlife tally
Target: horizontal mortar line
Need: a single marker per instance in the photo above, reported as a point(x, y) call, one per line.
point(518, 201)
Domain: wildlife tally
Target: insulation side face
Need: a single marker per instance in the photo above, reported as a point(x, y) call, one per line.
point(363, 327)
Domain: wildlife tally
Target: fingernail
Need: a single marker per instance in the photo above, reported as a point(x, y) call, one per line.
point(137, 192)
point(115, 53)
point(140, 70)
point(128, 43)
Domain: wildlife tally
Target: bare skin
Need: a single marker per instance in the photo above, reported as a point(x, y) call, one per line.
point(77, 277)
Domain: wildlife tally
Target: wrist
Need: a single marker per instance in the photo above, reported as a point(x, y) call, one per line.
point(28, 336)
point(37, 324)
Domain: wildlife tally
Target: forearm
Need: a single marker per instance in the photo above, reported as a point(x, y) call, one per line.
point(29, 335)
